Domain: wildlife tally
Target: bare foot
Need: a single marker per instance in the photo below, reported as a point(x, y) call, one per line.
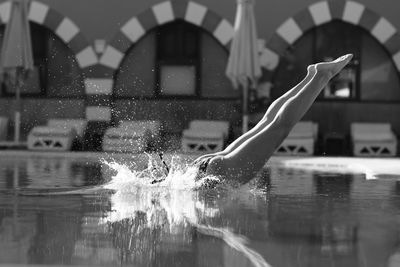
point(332, 68)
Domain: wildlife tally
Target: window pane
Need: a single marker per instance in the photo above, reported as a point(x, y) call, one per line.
point(39, 35)
point(177, 80)
point(167, 45)
point(177, 58)
point(178, 40)
point(346, 39)
point(190, 44)
point(342, 85)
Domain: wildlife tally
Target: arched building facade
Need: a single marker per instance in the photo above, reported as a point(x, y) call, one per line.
point(119, 63)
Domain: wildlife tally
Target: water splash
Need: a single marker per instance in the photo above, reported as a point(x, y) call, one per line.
point(180, 176)
point(176, 195)
point(171, 204)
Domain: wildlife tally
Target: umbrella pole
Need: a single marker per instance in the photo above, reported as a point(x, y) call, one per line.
point(245, 111)
point(17, 126)
point(17, 122)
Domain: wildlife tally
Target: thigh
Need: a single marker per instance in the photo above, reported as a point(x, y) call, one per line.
point(246, 160)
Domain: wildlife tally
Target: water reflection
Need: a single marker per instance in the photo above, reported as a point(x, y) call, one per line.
point(317, 225)
point(43, 229)
point(55, 237)
point(17, 233)
point(286, 217)
point(148, 224)
point(42, 172)
point(338, 234)
point(40, 230)
point(158, 226)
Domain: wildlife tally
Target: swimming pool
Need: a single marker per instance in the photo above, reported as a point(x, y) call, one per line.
point(298, 212)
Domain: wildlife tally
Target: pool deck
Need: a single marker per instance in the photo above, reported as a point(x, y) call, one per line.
point(370, 166)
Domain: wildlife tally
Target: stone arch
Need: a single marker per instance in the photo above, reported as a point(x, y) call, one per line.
point(61, 25)
point(323, 12)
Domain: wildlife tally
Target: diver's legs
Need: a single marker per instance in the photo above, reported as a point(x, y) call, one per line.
point(268, 116)
point(251, 155)
point(272, 110)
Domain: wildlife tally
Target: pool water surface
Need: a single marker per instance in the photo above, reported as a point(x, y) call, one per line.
point(54, 211)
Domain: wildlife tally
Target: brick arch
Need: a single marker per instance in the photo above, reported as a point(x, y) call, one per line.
point(64, 28)
point(160, 14)
point(99, 89)
point(61, 25)
point(323, 12)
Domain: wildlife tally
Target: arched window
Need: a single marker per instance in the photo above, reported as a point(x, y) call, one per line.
point(371, 76)
point(56, 72)
point(177, 59)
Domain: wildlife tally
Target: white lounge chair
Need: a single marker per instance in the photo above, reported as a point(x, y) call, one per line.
point(205, 136)
point(373, 139)
point(300, 141)
point(3, 128)
point(131, 136)
point(79, 125)
point(57, 135)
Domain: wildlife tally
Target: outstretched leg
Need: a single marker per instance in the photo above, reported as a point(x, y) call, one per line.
point(250, 156)
point(268, 116)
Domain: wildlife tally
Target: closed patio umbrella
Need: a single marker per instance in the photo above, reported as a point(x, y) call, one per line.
point(243, 67)
point(16, 55)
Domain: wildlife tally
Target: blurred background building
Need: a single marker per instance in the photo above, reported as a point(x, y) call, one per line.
point(165, 60)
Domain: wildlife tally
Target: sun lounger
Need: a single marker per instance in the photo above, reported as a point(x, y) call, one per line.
point(373, 140)
point(57, 135)
point(50, 138)
point(79, 125)
point(300, 141)
point(131, 136)
point(205, 136)
point(3, 128)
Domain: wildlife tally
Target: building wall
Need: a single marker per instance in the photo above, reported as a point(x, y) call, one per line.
point(330, 117)
point(336, 115)
point(176, 114)
point(139, 80)
point(270, 14)
point(38, 111)
point(105, 20)
point(133, 79)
